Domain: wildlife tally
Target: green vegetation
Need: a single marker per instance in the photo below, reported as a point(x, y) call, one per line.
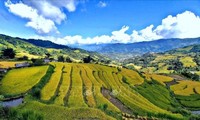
point(158, 95)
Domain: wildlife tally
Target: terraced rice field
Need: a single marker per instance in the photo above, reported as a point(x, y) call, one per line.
point(186, 88)
point(50, 88)
point(187, 93)
point(188, 62)
point(74, 91)
point(21, 80)
point(160, 78)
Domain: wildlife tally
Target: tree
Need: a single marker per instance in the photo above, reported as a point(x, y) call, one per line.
point(48, 55)
point(9, 53)
point(87, 59)
point(61, 59)
point(23, 58)
point(37, 62)
point(68, 59)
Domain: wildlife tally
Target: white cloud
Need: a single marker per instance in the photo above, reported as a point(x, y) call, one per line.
point(36, 21)
point(117, 37)
point(47, 9)
point(43, 15)
point(184, 25)
point(102, 4)
point(121, 36)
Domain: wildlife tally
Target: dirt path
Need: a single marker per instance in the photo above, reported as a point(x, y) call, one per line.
point(178, 77)
point(107, 94)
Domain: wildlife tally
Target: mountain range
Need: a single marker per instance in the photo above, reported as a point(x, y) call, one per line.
point(119, 51)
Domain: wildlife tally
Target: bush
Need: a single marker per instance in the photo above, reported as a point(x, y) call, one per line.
point(61, 59)
point(37, 62)
point(36, 92)
point(23, 58)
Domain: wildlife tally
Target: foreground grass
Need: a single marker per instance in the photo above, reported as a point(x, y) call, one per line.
point(18, 81)
point(54, 112)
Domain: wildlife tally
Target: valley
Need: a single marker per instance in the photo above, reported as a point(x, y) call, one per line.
point(87, 85)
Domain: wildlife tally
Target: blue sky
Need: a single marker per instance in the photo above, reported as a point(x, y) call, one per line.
point(100, 21)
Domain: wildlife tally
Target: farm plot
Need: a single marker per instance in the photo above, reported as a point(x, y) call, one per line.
point(188, 62)
point(76, 93)
point(160, 78)
point(88, 88)
point(127, 95)
point(50, 88)
point(186, 88)
point(65, 85)
point(74, 89)
point(21, 80)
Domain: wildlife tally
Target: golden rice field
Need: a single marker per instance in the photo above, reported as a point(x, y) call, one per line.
point(74, 91)
point(188, 62)
point(50, 88)
point(8, 64)
point(186, 88)
point(160, 78)
point(21, 80)
point(165, 57)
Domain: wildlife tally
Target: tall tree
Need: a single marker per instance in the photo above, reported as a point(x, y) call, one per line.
point(9, 53)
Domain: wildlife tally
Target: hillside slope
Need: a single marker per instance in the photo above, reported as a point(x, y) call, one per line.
point(74, 89)
point(181, 60)
point(39, 49)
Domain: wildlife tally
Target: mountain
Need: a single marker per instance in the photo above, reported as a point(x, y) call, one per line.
point(39, 48)
point(133, 49)
point(46, 44)
point(183, 61)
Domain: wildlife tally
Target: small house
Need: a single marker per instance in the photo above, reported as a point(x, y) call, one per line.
point(20, 65)
point(3, 70)
point(46, 61)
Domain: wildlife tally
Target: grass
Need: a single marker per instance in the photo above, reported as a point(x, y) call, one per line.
point(8, 64)
point(55, 112)
point(21, 80)
point(186, 88)
point(188, 62)
point(49, 89)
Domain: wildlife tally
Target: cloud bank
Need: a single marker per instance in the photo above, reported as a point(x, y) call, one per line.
point(42, 15)
point(184, 25)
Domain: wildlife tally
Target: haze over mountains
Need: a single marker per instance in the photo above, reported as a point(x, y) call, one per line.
point(139, 48)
